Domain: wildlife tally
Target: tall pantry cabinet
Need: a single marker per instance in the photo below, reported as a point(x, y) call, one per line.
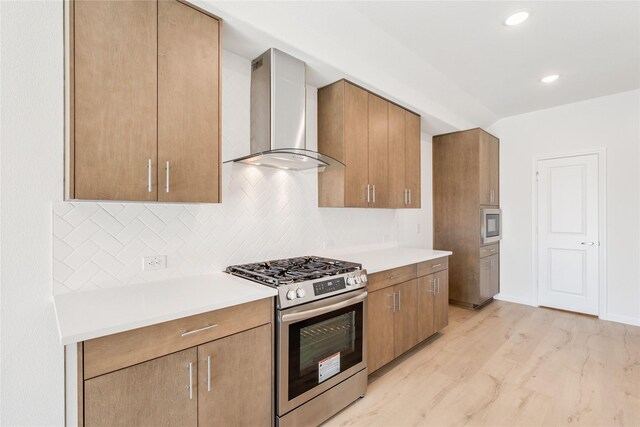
point(465, 180)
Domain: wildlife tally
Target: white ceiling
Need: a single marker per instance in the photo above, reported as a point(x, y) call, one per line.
point(593, 45)
point(453, 62)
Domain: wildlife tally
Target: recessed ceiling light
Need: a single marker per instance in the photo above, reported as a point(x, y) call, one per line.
point(517, 18)
point(550, 78)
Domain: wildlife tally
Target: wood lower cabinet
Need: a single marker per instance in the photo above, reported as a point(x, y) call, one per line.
point(401, 315)
point(380, 328)
point(405, 333)
point(489, 276)
point(142, 99)
point(160, 392)
point(379, 143)
point(232, 370)
point(225, 381)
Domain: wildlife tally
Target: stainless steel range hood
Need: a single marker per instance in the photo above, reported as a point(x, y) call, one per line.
point(278, 115)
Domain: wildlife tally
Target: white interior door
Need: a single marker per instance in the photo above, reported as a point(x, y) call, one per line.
point(568, 246)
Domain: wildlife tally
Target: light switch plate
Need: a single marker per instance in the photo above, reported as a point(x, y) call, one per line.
point(154, 262)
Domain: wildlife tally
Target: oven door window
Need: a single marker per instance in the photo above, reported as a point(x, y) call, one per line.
point(493, 225)
point(324, 346)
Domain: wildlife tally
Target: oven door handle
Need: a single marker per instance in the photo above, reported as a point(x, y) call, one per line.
point(294, 317)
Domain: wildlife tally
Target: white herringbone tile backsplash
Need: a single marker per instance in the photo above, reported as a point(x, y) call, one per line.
point(265, 214)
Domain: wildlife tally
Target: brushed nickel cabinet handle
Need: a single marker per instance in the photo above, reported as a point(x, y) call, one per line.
point(436, 265)
point(399, 294)
point(409, 196)
point(208, 373)
point(195, 331)
point(393, 295)
point(588, 243)
point(368, 192)
point(374, 193)
point(149, 168)
point(406, 198)
point(190, 380)
point(433, 288)
point(167, 184)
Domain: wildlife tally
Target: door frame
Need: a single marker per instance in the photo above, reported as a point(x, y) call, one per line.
point(602, 223)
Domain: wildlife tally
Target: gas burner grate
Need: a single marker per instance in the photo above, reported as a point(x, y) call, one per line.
point(292, 270)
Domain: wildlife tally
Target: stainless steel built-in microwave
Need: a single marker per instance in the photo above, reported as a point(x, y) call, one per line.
point(490, 225)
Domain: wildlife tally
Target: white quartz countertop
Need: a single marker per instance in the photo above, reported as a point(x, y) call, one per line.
point(86, 315)
point(387, 258)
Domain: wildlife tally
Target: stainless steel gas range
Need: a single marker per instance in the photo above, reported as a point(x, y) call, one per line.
point(320, 335)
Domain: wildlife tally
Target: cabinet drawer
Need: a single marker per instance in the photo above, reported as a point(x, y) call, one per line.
point(386, 278)
point(431, 266)
point(489, 250)
point(117, 351)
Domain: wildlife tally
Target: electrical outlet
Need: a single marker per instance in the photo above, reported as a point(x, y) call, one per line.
point(154, 262)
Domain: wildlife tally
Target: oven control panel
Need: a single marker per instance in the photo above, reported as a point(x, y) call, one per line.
point(301, 293)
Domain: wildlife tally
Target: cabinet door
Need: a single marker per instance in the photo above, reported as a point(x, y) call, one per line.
point(379, 151)
point(380, 346)
point(154, 393)
point(485, 169)
point(188, 126)
point(397, 157)
point(486, 278)
point(356, 146)
point(405, 319)
point(234, 375)
point(494, 162)
point(426, 305)
point(115, 100)
point(441, 302)
point(412, 126)
point(495, 276)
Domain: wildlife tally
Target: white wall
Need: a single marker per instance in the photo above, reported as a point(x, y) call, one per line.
point(31, 173)
point(612, 123)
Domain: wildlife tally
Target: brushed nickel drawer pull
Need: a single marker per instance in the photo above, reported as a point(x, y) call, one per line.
point(436, 265)
point(391, 277)
point(493, 250)
point(184, 334)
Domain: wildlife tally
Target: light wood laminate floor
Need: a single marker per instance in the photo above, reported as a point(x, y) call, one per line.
point(509, 365)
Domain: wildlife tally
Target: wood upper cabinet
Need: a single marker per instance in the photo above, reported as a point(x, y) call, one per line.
point(160, 392)
point(114, 113)
point(380, 328)
point(143, 102)
point(188, 92)
point(412, 172)
point(406, 316)
point(378, 151)
point(373, 138)
point(489, 170)
point(230, 372)
point(397, 157)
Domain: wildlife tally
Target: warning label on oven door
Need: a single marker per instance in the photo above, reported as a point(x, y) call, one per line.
point(328, 367)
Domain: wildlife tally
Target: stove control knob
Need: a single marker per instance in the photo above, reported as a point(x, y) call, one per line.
point(291, 294)
point(364, 278)
point(351, 281)
point(358, 280)
point(300, 293)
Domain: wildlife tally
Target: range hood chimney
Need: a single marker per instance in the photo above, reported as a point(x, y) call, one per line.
point(278, 115)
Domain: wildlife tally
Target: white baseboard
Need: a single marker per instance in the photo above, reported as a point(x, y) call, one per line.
point(627, 320)
point(517, 300)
